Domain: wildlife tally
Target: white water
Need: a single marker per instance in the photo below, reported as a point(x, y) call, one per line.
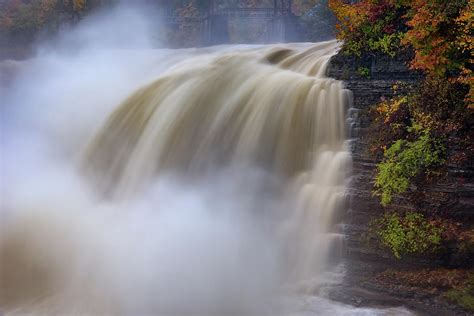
point(214, 189)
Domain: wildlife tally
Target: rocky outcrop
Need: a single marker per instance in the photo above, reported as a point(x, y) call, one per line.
point(371, 80)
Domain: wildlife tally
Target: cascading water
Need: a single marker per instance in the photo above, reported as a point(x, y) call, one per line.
point(214, 189)
point(267, 108)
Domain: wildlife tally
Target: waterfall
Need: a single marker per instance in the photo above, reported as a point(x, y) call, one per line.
point(270, 108)
point(214, 185)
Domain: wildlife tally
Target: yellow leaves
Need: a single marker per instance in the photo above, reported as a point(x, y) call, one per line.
point(387, 108)
point(465, 24)
point(350, 16)
point(424, 119)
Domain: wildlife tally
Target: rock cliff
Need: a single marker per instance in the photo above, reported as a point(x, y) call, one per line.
point(371, 80)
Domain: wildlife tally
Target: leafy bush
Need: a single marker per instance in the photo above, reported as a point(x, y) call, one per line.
point(363, 71)
point(417, 134)
point(369, 26)
point(443, 101)
point(404, 160)
point(411, 233)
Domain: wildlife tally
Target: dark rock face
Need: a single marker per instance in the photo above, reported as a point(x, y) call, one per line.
point(368, 89)
point(455, 195)
point(371, 80)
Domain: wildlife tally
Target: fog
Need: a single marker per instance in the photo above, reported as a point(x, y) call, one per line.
point(203, 245)
point(175, 248)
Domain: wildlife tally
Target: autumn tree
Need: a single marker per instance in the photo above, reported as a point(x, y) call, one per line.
point(436, 118)
point(441, 35)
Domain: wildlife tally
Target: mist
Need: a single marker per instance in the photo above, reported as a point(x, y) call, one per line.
point(213, 242)
point(174, 249)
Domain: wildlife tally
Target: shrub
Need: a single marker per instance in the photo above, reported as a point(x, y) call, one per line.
point(411, 233)
point(369, 26)
point(404, 160)
point(364, 71)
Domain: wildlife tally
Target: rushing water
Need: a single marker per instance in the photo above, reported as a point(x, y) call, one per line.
point(185, 182)
point(265, 110)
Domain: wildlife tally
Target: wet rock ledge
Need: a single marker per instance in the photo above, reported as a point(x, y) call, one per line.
point(371, 79)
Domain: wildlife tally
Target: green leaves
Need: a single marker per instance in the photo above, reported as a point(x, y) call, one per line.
point(411, 233)
point(404, 160)
point(388, 44)
point(369, 26)
point(364, 71)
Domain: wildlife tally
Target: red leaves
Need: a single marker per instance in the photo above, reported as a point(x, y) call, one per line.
point(377, 10)
point(440, 33)
point(442, 39)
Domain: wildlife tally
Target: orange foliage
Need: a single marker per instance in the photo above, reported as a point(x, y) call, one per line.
point(440, 33)
point(350, 16)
